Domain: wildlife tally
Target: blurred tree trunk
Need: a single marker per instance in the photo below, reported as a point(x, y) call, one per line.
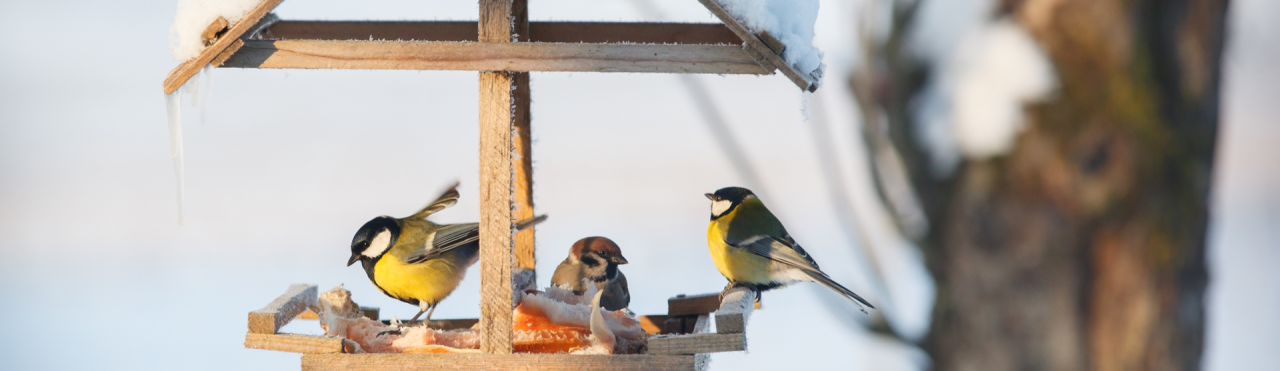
point(1083, 248)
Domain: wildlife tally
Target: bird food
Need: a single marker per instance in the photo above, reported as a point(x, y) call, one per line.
point(552, 321)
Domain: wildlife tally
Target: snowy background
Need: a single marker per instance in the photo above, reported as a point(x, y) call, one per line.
point(95, 272)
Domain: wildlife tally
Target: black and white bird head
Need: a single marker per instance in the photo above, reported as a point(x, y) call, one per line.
point(374, 239)
point(726, 199)
point(599, 257)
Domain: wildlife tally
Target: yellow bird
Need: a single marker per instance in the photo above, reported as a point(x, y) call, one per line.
point(752, 249)
point(416, 261)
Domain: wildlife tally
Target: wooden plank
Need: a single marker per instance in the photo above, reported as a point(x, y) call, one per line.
point(731, 317)
point(495, 212)
point(758, 48)
point(285, 308)
point(772, 42)
point(496, 25)
point(550, 32)
point(187, 69)
point(227, 53)
point(653, 324)
point(443, 324)
point(701, 341)
point(525, 252)
point(467, 56)
point(370, 312)
point(212, 31)
point(298, 343)
point(697, 343)
point(682, 305)
point(627, 362)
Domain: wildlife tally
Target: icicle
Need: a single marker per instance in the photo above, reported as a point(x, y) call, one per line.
point(208, 85)
point(192, 88)
point(804, 105)
point(173, 104)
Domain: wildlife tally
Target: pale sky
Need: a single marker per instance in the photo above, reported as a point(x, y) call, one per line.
point(290, 163)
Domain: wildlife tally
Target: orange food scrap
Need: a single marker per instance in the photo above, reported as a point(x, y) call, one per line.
point(438, 349)
point(535, 333)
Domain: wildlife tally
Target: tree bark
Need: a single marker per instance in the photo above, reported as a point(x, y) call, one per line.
point(1083, 248)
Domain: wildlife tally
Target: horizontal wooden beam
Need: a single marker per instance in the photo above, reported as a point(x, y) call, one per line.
point(700, 342)
point(298, 343)
point(549, 32)
point(636, 362)
point(477, 56)
point(684, 305)
point(297, 299)
point(697, 343)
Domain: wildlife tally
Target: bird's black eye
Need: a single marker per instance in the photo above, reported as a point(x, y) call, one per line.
point(590, 261)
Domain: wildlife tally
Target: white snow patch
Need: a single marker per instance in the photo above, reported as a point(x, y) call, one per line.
point(193, 16)
point(791, 21)
point(986, 71)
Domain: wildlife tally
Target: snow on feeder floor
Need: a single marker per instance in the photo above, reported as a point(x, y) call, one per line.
point(551, 322)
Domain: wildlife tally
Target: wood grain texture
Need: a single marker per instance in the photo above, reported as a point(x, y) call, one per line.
point(496, 224)
point(766, 55)
point(298, 343)
point(700, 341)
point(549, 32)
point(187, 69)
point(212, 31)
point(731, 317)
point(497, 170)
point(697, 343)
point(468, 56)
point(525, 250)
point(628, 362)
point(283, 309)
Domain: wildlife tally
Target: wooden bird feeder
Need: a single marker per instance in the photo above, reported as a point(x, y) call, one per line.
point(503, 46)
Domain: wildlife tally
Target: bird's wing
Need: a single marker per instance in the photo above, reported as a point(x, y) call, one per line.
point(447, 238)
point(446, 199)
point(453, 236)
point(787, 253)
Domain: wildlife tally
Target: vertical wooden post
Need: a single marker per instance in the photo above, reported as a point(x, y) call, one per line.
point(525, 258)
point(497, 172)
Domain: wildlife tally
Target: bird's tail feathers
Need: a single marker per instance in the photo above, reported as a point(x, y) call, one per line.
point(858, 301)
point(521, 225)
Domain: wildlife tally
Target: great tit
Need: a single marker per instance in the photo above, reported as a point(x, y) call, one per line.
point(597, 259)
point(752, 249)
point(416, 261)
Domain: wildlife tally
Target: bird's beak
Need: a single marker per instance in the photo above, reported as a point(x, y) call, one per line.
point(354, 258)
point(618, 259)
point(710, 196)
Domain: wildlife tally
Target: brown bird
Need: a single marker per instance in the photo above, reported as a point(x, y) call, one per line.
point(596, 258)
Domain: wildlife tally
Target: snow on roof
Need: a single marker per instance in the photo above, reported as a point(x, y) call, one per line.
point(193, 16)
point(791, 21)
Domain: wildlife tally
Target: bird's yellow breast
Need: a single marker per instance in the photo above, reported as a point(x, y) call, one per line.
point(735, 263)
point(430, 281)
